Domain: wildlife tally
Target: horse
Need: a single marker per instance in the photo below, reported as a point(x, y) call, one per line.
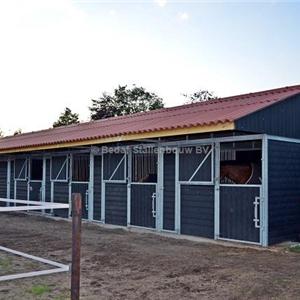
point(240, 173)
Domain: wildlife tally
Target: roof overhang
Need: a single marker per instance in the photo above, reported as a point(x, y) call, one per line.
point(128, 137)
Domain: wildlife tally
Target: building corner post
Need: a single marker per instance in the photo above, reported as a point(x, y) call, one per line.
point(91, 189)
point(217, 191)
point(264, 207)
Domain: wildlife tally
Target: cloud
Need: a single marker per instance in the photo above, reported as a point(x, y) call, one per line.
point(161, 3)
point(183, 16)
point(112, 13)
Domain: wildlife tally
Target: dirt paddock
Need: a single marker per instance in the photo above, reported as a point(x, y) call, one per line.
point(117, 264)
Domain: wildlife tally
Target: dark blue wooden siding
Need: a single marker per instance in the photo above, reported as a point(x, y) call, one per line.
point(12, 180)
point(284, 191)
point(3, 181)
point(97, 188)
point(141, 205)
point(197, 210)
point(280, 119)
point(169, 192)
point(237, 213)
point(116, 203)
point(21, 187)
point(48, 182)
point(61, 195)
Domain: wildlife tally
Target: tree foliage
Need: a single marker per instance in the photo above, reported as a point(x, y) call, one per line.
point(200, 96)
point(67, 118)
point(1, 133)
point(124, 101)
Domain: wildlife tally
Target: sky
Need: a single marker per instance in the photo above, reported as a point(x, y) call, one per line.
point(62, 53)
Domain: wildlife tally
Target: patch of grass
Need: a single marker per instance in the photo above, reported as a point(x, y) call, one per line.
point(39, 289)
point(5, 264)
point(295, 248)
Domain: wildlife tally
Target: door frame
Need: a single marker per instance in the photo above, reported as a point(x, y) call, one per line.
point(263, 207)
point(42, 181)
point(245, 186)
point(86, 201)
point(111, 181)
point(24, 179)
point(158, 191)
point(179, 183)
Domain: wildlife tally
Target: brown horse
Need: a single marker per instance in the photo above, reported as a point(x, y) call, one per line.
point(239, 173)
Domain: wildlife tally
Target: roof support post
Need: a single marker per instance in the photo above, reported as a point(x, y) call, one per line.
point(129, 175)
point(70, 173)
point(43, 187)
point(102, 191)
point(8, 180)
point(160, 189)
point(217, 191)
point(264, 213)
point(91, 189)
point(177, 193)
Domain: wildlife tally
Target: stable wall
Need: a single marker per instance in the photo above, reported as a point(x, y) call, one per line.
point(284, 191)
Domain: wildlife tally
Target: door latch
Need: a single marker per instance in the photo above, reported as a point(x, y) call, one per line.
point(154, 205)
point(256, 219)
point(87, 200)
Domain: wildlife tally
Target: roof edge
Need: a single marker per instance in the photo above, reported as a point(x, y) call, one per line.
point(128, 137)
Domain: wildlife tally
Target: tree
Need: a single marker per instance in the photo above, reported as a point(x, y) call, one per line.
point(124, 101)
point(1, 133)
point(199, 96)
point(67, 118)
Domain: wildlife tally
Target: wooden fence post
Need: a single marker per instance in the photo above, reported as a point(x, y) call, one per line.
point(76, 245)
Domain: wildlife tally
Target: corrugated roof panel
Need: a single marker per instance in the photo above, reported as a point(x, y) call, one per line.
point(221, 110)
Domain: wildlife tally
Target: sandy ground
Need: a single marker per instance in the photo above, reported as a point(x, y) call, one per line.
point(117, 264)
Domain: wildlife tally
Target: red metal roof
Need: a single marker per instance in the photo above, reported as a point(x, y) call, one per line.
point(212, 112)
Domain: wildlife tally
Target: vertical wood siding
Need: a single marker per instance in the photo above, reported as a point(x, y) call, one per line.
point(97, 188)
point(169, 192)
point(280, 119)
point(197, 210)
point(21, 187)
point(284, 191)
point(12, 186)
point(116, 203)
point(141, 205)
point(61, 195)
point(3, 181)
point(48, 183)
point(237, 213)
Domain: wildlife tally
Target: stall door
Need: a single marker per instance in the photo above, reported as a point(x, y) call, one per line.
point(196, 190)
point(59, 176)
point(240, 186)
point(239, 213)
point(21, 179)
point(114, 188)
point(143, 205)
point(35, 179)
point(80, 179)
point(143, 194)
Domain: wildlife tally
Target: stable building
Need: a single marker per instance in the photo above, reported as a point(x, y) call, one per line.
point(225, 169)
